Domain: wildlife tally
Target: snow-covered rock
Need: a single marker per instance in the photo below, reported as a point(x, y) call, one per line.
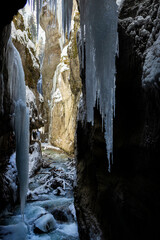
point(59, 192)
point(151, 68)
point(45, 223)
point(35, 114)
point(35, 158)
point(11, 175)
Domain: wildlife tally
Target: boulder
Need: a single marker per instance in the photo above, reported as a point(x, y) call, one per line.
point(44, 224)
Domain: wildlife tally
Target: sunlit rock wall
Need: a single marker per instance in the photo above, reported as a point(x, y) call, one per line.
point(61, 80)
point(51, 58)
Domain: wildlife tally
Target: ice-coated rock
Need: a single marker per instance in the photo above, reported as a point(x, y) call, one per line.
point(44, 224)
point(60, 215)
point(59, 192)
point(15, 232)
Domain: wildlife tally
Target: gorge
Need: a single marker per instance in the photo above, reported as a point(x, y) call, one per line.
point(96, 66)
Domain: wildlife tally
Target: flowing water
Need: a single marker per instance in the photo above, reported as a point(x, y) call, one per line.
point(49, 212)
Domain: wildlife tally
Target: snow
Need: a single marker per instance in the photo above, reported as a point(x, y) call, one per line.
point(2, 93)
point(16, 85)
point(69, 229)
point(73, 211)
point(45, 223)
point(22, 37)
point(119, 3)
point(151, 68)
point(30, 97)
point(39, 85)
point(99, 31)
point(35, 158)
point(11, 175)
point(31, 103)
point(48, 146)
point(57, 96)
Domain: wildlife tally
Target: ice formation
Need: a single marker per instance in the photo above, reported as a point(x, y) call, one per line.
point(16, 85)
point(66, 12)
point(99, 36)
point(39, 85)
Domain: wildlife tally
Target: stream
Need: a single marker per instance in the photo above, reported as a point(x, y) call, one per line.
point(49, 212)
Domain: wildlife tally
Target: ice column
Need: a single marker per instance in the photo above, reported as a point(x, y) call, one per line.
point(99, 36)
point(17, 89)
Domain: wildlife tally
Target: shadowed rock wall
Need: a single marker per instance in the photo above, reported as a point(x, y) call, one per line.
point(7, 142)
point(123, 204)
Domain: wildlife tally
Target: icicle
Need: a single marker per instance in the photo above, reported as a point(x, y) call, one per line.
point(55, 6)
point(99, 36)
point(41, 3)
point(16, 86)
point(34, 4)
point(38, 16)
point(22, 140)
point(66, 16)
point(39, 85)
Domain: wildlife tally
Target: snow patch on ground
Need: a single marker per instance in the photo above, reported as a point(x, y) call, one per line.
point(48, 146)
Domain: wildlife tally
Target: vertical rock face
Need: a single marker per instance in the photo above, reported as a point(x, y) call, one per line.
point(125, 201)
point(62, 83)
point(51, 57)
point(7, 141)
point(23, 41)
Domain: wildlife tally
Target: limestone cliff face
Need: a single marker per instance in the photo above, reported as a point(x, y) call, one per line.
point(62, 83)
point(22, 40)
point(121, 204)
point(51, 57)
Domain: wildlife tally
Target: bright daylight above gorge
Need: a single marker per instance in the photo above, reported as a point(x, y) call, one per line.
point(80, 120)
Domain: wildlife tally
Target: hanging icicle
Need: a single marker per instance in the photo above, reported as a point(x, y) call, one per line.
point(66, 16)
point(66, 12)
point(99, 36)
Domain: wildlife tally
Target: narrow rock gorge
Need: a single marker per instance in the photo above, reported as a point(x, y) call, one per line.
point(93, 170)
point(61, 78)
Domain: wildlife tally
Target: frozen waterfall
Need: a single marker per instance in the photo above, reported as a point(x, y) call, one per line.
point(17, 89)
point(99, 36)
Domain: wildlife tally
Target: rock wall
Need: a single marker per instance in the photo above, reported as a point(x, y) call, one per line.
point(124, 204)
point(51, 58)
point(23, 41)
point(7, 141)
point(61, 78)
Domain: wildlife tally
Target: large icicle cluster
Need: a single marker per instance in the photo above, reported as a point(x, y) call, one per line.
point(16, 86)
point(99, 36)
